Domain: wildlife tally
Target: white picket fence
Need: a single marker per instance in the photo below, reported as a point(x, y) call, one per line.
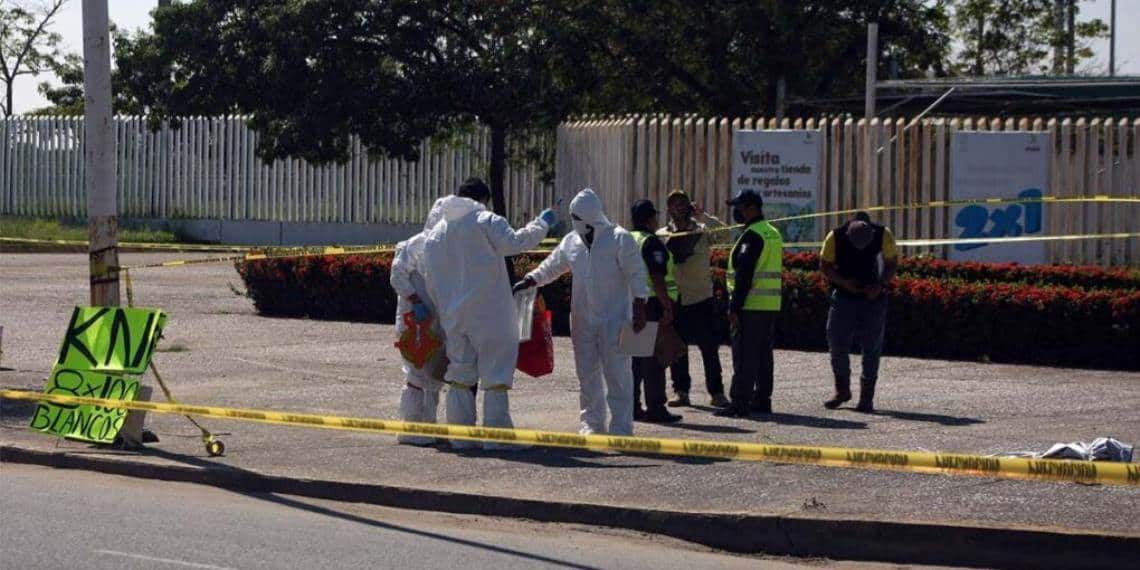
point(628, 158)
point(208, 170)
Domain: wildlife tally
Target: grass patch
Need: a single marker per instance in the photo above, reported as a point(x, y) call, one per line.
point(52, 228)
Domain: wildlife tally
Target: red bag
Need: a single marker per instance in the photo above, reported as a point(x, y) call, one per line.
point(536, 356)
point(419, 344)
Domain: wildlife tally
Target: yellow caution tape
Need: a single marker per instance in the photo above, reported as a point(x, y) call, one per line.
point(1099, 198)
point(954, 241)
point(891, 460)
point(134, 245)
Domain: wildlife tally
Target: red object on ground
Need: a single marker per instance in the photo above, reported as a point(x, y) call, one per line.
point(536, 356)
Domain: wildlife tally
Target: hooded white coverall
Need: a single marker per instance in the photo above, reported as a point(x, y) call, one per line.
point(467, 279)
point(419, 399)
point(608, 275)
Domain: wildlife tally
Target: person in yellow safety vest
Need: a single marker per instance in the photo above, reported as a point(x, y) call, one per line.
point(659, 307)
point(754, 280)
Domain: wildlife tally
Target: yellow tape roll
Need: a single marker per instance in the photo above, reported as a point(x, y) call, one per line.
point(907, 461)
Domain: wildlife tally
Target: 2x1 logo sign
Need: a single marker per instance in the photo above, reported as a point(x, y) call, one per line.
point(111, 339)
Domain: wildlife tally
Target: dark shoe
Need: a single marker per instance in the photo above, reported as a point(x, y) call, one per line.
point(865, 406)
point(719, 401)
point(761, 407)
point(661, 418)
point(681, 400)
point(840, 398)
point(149, 436)
point(638, 414)
point(731, 411)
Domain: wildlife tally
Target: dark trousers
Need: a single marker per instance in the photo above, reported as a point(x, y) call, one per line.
point(696, 323)
point(852, 320)
point(649, 372)
point(752, 361)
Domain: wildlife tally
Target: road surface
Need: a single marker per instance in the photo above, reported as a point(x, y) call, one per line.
point(53, 518)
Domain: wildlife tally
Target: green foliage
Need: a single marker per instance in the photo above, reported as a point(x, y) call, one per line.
point(28, 46)
point(1018, 37)
point(67, 97)
point(56, 229)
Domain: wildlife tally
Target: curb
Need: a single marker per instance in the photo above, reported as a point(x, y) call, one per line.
point(838, 539)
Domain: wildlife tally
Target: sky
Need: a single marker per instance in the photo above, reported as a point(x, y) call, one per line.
point(130, 15)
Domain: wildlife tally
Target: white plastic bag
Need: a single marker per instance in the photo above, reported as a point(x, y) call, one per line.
point(524, 310)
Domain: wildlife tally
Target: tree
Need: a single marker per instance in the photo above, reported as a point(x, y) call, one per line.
point(67, 97)
point(726, 57)
point(1017, 37)
point(311, 75)
point(27, 44)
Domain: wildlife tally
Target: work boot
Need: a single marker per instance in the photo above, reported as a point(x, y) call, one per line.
point(661, 417)
point(866, 395)
point(732, 411)
point(842, 393)
point(763, 406)
point(680, 400)
point(719, 401)
point(840, 398)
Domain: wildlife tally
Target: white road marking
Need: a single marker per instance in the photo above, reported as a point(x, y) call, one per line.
point(163, 560)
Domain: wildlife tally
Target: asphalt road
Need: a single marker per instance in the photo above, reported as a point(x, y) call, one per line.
point(71, 519)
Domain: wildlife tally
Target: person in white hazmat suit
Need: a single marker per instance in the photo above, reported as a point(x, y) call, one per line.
point(467, 279)
point(419, 400)
point(610, 288)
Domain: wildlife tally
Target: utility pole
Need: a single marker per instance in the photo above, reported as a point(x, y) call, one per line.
point(99, 156)
point(869, 105)
point(1112, 40)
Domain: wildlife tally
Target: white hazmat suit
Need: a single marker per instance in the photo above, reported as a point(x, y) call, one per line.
point(467, 278)
point(608, 275)
point(419, 399)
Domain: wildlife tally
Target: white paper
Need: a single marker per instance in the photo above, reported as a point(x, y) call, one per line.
point(639, 344)
point(524, 310)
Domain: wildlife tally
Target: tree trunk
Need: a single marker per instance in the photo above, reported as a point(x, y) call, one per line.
point(1071, 39)
point(8, 100)
point(498, 168)
point(979, 59)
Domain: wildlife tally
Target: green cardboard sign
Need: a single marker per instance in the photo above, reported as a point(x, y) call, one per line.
point(88, 423)
point(111, 339)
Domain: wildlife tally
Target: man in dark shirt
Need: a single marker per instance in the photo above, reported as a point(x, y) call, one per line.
point(658, 308)
point(753, 279)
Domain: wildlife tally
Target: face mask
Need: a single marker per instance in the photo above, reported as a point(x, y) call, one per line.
point(738, 216)
point(582, 227)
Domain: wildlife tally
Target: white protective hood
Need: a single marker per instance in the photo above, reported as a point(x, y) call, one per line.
point(587, 206)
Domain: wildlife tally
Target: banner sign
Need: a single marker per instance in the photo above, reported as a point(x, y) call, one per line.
point(783, 167)
point(87, 423)
point(105, 351)
point(999, 165)
point(111, 339)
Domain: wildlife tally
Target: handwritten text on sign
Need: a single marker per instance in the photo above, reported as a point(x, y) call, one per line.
point(104, 352)
point(88, 423)
point(111, 339)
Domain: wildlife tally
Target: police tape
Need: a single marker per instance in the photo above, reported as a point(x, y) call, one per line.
point(180, 247)
point(1094, 199)
point(891, 460)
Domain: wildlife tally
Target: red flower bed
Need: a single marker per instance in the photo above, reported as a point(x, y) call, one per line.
point(942, 316)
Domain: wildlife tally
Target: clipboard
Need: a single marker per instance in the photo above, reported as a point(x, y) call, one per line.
point(637, 344)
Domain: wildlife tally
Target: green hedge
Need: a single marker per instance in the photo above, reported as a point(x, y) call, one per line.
point(1013, 314)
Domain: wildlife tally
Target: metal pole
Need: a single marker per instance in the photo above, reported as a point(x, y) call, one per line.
point(1112, 40)
point(781, 88)
point(872, 67)
point(869, 107)
point(99, 156)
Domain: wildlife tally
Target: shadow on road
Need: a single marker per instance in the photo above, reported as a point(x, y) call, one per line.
point(706, 428)
point(810, 421)
point(300, 505)
point(933, 418)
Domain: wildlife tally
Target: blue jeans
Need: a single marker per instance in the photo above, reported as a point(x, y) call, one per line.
point(855, 320)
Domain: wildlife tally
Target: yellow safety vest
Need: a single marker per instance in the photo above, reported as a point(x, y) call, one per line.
point(670, 282)
point(767, 279)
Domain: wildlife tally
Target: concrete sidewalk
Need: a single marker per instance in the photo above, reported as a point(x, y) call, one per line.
point(218, 351)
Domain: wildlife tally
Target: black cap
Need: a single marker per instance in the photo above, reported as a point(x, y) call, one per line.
point(747, 198)
point(642, 209)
